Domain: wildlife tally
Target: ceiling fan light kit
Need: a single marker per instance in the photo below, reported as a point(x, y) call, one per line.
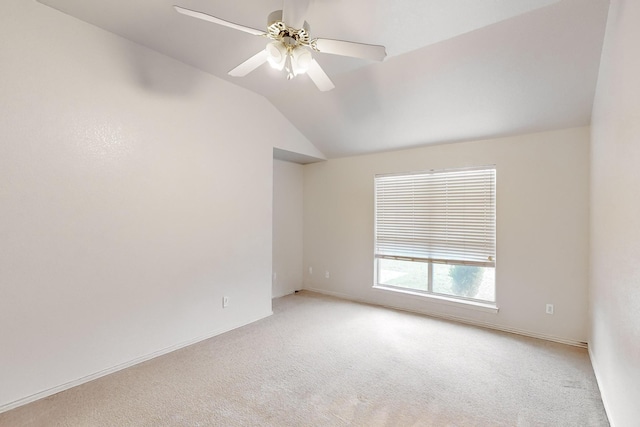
point(289, 48)
point(294, 59)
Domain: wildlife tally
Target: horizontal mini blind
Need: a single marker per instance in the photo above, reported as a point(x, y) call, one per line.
point(438, 216)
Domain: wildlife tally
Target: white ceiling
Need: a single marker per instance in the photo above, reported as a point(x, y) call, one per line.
point(455, 70)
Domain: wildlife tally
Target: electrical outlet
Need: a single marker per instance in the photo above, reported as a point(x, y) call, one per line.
point(275, 276)
point(326, 274)
point(310, 271)
point(225, 302)
point(549, 308)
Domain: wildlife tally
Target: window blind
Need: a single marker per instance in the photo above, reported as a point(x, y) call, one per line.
point(437, 216)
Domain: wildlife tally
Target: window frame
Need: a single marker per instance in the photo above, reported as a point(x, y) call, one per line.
point(429, 292)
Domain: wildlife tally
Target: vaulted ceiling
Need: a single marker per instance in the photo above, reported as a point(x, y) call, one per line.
point(455, 70)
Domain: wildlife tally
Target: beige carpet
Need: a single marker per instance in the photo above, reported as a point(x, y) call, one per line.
point(321, 361)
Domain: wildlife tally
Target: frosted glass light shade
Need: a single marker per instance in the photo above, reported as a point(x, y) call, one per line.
point(301, 60)
point(277, 55)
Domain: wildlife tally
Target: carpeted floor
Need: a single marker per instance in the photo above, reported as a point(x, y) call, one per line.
point(321, 361)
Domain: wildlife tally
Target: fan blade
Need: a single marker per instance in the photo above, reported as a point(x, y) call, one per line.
point(250, 64)
point(319, 77)
point(357, 50)
point(205, 17)
point(294, 12)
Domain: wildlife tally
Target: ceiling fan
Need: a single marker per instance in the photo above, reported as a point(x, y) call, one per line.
point(291, 45)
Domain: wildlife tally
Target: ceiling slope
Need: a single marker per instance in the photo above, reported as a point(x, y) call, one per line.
point(534, 72)
point(456, 69)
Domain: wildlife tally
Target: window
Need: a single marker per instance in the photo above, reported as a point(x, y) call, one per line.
point(435, 233)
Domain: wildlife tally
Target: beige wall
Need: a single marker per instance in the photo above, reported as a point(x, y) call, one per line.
point(287, 227)
point(542, 228)
point(615, 218)
point(126, 208)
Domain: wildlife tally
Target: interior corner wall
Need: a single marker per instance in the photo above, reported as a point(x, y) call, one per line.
point(287, 227)
point(614, 343)
point(542, 229)
point(133, 196)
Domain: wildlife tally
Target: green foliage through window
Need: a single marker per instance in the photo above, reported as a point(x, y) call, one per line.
point(466, 280)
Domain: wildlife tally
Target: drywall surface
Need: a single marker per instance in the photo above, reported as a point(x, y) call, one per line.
point(542, 226)
point(615, 218)
point(287, 227)
point(135, 192)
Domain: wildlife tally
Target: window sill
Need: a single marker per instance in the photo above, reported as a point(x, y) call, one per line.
point(473, 305)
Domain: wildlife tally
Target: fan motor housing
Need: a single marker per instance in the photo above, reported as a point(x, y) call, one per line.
point(278, 30)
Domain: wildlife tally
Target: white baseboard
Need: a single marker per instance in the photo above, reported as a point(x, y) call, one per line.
point(280, 295)
point(603, 396)
point(104, 372)
point(457, 319)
